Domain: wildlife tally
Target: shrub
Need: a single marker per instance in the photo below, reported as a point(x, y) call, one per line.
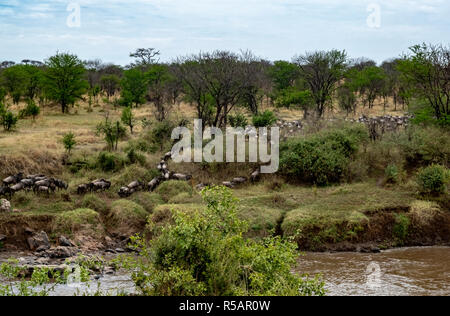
point(204, 253)
point(9, 120)
point(320, 159)
point(265, 119)
point(401, 227)
point(169, 189)
point(238, 120)
point(133, 156)
point(148, 200)
point(433, 180)
point(92, 201)
point(69, 142)
point(31, 110)
point(392, 174)
point(109, 162)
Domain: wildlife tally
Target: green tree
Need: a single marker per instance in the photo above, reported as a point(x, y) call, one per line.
point(64, 79)
point(14, 80)
point(128, 118)
point(9, 120)
point(427, 70)
point(370, 82)
point(322, 71)
point(69, 142)
point(134, 87)
point(284, 74)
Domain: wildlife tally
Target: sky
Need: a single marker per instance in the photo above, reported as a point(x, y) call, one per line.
point(272, 29)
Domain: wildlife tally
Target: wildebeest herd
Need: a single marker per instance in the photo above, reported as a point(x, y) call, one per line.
point(39, 184)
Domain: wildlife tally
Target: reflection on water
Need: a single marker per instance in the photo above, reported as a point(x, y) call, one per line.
point(407, 271)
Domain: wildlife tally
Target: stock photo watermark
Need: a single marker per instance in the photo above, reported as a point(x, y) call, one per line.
point(374, 19)
point(259, 143)
point(74, 17)
point(373, 279)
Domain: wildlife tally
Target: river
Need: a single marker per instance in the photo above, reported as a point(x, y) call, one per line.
point(396, 272)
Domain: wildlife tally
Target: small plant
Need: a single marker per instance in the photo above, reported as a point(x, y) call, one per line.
point(107, 161)
point(401, 227)
point(392, 174)
point(31, 110)
point(433, 180)
point(113, 132)
point(9, 120)
point(69, 142)
point(238, 120)
point(265, 119)
point(127, 118)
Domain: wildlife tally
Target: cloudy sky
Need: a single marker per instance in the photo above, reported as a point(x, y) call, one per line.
point(272, 29)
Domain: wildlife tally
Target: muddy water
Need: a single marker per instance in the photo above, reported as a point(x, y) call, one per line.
point(398, 272)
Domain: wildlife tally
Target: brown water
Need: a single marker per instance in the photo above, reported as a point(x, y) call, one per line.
point(398, 272)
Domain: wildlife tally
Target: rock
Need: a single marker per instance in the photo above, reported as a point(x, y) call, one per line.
point(5, 206)
point(39, 242)
point(2, 238)
point(60, 252)
point(120, 250)
point(63, 241)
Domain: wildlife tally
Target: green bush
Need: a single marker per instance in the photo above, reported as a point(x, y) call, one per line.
point(392, 174)
point(169, 189)
point(107, 161)
point(323, 158)
point(92, 201)
point(433, 179)
point(9, 120)
point(265, 119)
point(204, 253)
point(238, 120)
point(30, 110)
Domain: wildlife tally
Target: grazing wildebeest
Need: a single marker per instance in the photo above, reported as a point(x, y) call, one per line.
point(61, 185)
point(43, 189)
point(27, 183)
point(239, 180)
point(43, 183)
point(83, 189)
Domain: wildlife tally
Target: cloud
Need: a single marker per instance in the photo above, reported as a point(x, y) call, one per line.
point(274, 29)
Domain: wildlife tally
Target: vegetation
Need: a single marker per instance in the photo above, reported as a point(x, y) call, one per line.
point(204, 253)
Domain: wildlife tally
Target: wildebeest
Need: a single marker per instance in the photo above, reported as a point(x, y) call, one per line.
point(167, 156)
point(100, 185)
point(42, 183)
point(27, 183)
point(84, 188)
point(255, 176)
point(239, 180)
point(61, 185)
point(181, 177)
point(136, 185)
point(228, 184)
point(17, 187)
point(152, 185)
point(5, 192)
point(125, 192)
point(13, 179)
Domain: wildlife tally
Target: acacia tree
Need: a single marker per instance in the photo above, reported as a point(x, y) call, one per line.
point(427, 70)
point(64, 81)
point(322, 71)
point(145, 57)
point(14, 79)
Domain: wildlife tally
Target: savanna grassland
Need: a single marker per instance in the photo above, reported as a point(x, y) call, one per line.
point(352, 177)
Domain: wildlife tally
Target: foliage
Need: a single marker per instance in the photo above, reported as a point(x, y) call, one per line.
point(392, 174)
point(107, 161)
point(64, 79)
point(320, 159)
point(30, 110)
point(265, 119)
point(172, 188)
point(113, 132)
point(401, 227)
point(128, 118)
point(204, 252)
point(9, 120)
point(69, 142)
point(238, 120)
point(433, 179)
point(134, 87)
